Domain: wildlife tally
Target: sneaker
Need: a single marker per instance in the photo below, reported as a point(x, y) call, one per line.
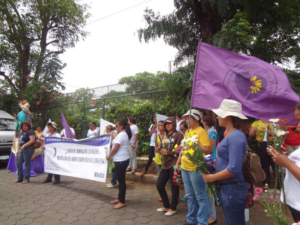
point(170, 213)
point(184, 198)
point(110, 185)
point(162, 210)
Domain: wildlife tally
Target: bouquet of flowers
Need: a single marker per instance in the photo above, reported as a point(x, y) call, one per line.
point(272, 204)
point(192, 150)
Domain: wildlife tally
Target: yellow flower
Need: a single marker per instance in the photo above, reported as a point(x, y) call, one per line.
point(175, 146)
point(257, 85)
point(190, 143)
point(191, 151)
point(173, 150)
point(186, 152)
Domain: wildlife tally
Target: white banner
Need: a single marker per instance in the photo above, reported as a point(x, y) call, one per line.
point(104, 124)
point(160, 117)
point(84, 158)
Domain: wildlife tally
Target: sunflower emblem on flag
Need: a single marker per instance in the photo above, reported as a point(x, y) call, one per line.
point(256, 85)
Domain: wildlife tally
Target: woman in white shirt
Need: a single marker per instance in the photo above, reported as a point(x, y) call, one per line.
point(120, 156)
point(291, 180)
point(52, 133)
point(93, 131)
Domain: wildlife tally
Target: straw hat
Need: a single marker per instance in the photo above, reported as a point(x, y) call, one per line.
point(24, 105)
point(230, 107)
point(52, 124)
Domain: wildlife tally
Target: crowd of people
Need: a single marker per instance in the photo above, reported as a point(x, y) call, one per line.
point(227, 151)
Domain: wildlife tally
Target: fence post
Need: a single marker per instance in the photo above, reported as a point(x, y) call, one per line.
point(103, 108)
point(84, 121)
point(154, 101)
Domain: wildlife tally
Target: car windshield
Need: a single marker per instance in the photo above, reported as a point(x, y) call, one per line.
point(7, 124)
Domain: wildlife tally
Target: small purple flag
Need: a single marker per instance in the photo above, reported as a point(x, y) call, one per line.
point(68, 132)
point(263, 89)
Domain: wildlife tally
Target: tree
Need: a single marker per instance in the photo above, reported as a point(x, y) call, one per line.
point(33, 33)
point(263, 28)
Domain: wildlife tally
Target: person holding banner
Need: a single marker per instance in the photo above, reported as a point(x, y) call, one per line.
point(133, 145)
point(120, 156)
point(229, 173)
point(25, 152)
point(52, 127)
point(93, 131)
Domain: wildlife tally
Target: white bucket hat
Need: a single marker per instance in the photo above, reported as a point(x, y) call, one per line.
point(230, 107)
point(52, 124)
point(194, 113)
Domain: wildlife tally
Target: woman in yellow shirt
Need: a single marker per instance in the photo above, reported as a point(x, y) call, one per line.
point(194, 186)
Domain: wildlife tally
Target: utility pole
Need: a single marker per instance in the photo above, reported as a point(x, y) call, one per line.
point(170, 67)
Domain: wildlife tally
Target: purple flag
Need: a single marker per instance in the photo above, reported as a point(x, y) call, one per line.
point(64, 123)
point(263, 89)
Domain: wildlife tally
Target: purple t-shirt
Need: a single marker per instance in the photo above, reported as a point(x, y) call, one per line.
point(231, 153)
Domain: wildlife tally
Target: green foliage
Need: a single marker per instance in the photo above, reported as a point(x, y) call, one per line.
point(265, 29)
point(33, 34)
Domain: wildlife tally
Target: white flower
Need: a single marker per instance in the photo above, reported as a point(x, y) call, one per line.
point(280, 133)
point(274, 120)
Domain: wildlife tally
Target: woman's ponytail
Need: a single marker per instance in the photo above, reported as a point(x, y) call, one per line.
point(126, 126)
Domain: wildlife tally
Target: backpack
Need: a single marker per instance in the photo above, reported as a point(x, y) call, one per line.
point(252, 170)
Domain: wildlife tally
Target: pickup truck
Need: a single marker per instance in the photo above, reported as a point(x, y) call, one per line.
point(7, 131)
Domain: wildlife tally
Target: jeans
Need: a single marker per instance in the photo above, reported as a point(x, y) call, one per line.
point(233, 201)
point(158, 168)
point(24, 156)
point(150, 159)
point(56, 177)
point(120, 170)
point(164, 176)
point(195, 191)
point(295, 214)
point(132, 153)
point(113, 180)
point(212, 207)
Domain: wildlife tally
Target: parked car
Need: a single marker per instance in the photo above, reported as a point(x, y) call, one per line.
point(7, 131)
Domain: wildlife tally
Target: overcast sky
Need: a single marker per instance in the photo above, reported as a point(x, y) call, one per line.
point(112, 49)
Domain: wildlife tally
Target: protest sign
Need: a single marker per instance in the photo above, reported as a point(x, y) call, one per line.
point(84, 158)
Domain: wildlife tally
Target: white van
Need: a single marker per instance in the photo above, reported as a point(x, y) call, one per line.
point(7, 131)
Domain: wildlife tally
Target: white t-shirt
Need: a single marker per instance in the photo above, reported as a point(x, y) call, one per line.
point(291, 184)
point(93, 133)
point(134, 130)
point(54, 135)
point(63, 132)
point(153, 136)
point(122, 153)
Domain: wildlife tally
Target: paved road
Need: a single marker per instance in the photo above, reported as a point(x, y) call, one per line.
point(78, 201)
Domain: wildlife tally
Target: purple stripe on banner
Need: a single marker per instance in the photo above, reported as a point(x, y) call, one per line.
point(97, 141)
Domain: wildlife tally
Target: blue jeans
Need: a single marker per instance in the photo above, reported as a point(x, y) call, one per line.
point(195, 191)
point(233, 201)
point(212, 207)
point(24, 156)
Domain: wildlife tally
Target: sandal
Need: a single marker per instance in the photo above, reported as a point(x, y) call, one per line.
point(133, 171)
point(56, 182)
point(116, 201)
point(119, 205)
point(25, 182)
point(128, 169)
point(17, 181)
point(143, 173)
point(46, 181)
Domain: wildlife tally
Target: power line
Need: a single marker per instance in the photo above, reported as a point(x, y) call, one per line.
point(118, 12)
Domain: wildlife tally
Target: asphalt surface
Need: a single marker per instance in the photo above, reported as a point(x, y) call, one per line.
point(83, 202)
